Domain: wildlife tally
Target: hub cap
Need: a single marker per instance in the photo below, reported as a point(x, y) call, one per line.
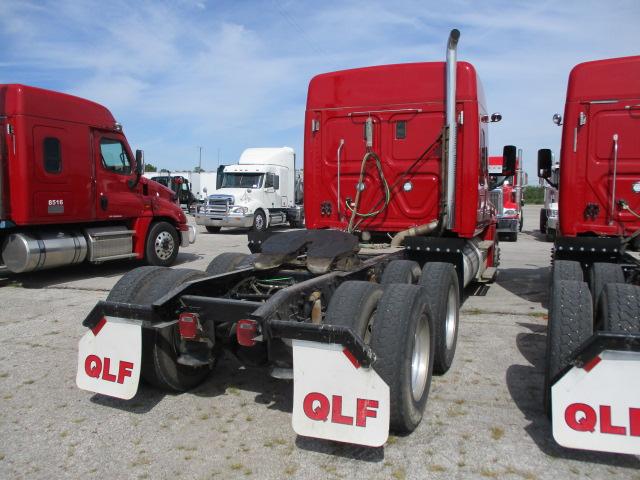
point(259, 222)
point(420, 358)
point(164, 245)
point(451, 324)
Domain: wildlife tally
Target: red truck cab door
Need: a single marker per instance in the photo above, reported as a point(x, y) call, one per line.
point(61, 173)
point(614, 125)
point(115, 196)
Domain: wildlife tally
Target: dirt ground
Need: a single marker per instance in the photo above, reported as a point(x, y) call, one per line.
point(484, 418)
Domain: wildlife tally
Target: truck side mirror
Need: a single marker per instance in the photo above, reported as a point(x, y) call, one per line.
point(509, 160)
point(544, 163)
point(139, 162)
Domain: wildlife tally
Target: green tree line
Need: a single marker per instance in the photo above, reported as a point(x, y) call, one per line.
point(533, 194)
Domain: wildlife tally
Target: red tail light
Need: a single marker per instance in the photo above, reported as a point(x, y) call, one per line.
point(188, 325)
point(246, 332)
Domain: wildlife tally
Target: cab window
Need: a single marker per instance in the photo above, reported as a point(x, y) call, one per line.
point(52, 157)
point(272, 181)
point(114, 156)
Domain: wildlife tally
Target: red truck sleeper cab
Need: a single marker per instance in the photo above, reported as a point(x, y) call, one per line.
point(406, 105)
point(69, 189)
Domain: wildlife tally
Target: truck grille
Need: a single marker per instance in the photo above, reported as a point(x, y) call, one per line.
point(219, 204)
point(495, 196)
point(217, 207)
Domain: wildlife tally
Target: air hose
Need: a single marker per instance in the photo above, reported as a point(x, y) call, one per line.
point(360, 187)
point(400, 177)
point(625, 206)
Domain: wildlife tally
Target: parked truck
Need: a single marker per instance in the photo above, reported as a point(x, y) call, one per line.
point(72, 191)
point(179, 185)
point(200, 183)
point(386, 151)
point(549, 213)
point(592, 391)
point(257, 192)
point(506, 196)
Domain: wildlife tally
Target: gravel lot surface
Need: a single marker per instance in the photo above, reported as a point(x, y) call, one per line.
point(484, 418)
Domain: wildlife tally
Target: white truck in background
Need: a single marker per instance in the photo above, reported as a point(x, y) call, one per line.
point(549, 213)
point(260, 191)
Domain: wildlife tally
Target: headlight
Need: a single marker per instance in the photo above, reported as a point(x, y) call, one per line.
point(510, 211)
point(239, 210)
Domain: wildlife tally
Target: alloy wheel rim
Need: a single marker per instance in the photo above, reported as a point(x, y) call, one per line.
point(164, 245)
point(451, 324)
point(420, 358)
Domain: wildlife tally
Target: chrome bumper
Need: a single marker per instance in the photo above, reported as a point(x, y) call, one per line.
point(507, 225)
point(187, 237)
point(238, 221)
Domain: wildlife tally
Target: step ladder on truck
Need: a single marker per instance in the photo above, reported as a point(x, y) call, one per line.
point(356, 331)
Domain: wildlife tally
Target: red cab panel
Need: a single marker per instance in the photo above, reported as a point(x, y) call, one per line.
point(405, 105)
point(600, 154)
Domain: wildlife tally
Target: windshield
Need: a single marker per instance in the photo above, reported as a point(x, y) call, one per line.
point(242, 180)
point(498, 181)
point(162, 181)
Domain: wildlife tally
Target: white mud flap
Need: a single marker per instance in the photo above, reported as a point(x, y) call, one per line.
point(109, 358)
point(597, 407)
point(334, 398)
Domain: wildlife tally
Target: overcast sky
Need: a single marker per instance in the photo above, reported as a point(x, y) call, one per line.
point(227, 75)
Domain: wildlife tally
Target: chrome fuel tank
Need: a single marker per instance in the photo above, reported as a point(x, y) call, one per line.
point(26, 252)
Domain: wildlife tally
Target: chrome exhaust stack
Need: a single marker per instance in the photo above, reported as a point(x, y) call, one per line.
point(451, 126)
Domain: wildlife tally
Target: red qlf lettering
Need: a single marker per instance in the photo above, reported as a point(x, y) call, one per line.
point(94, 366)
point(365, 408)
point(581, 417)
point(316, 406)
point(321, 404)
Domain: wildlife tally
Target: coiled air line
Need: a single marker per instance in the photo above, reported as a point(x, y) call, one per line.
point(360, 186)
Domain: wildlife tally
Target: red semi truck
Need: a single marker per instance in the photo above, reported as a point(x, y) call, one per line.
point(593, 338)
point(506, 196)
point(71, 191)
point(386, 151)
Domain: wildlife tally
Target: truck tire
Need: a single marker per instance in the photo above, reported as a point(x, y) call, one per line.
point(600, 274)
point(550, 234)
point(128, 289)
point(521, 221)
point(228, 262)
point(160, 366)
point(619, 308)
point(566, 270)
point(441, 282)
point(260, 221)
point(213, 229)
point(162, 244)
point(513, 237)
point(543, 220)
point(401, 271)
point(144, 286)
point(402, 338)
point(570, 324)
point(354, 305)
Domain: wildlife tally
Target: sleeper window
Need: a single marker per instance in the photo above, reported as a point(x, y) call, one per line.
point(52, 155)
